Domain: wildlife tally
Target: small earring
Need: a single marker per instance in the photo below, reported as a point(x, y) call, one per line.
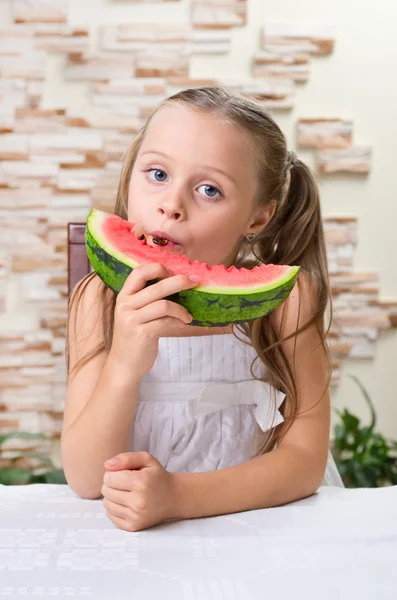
point(250, 237)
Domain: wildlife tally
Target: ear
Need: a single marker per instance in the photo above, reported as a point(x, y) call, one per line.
point(261, 217)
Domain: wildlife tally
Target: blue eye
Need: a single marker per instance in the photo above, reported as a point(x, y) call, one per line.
point(210, 191)
point(159, 174)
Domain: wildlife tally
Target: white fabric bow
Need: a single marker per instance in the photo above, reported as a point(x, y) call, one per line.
point(217, 396)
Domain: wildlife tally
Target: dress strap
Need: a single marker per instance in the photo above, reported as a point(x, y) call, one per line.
point(206, 398)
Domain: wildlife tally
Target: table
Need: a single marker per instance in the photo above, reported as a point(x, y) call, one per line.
point(337, 544)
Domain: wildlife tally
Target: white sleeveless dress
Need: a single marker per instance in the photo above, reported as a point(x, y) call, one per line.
point(199, 408)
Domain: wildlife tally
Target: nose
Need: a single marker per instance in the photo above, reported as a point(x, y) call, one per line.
point(172, 206)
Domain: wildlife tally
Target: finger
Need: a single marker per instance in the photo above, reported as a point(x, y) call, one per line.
point(139, 277)
point(115, 509)
point(119, 480)
point(120, 523)
point(161, 327)
point(161, 309)
point(124, 523)
point(162, 289)
point(130, 461)
point(118, 496)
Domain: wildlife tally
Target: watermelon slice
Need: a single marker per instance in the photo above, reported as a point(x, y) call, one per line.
point(222, 295)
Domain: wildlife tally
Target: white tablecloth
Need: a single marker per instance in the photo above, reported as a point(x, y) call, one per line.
point(338, 544)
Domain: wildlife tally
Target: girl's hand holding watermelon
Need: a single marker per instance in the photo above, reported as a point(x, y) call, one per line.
point(142, 316)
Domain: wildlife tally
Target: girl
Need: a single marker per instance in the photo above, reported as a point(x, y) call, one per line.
point(203, 421)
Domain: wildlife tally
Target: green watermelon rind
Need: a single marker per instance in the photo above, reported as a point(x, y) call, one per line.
point(208, 308)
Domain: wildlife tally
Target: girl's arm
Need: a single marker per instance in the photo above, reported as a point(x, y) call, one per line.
point(102, 395)
point(296, 468)
point(100, 403)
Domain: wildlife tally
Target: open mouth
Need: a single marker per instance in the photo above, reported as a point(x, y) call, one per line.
point(159, 241)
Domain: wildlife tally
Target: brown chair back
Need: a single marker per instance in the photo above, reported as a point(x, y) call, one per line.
point(78, 263)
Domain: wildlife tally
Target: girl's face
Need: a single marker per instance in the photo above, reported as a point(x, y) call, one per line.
point(194, 180)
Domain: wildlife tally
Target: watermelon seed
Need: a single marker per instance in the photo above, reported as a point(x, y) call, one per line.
point(160, 241)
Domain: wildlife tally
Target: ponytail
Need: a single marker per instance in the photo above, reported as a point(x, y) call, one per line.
point(294, 236)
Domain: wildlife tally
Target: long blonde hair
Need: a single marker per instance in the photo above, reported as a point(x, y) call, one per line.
point(294, 236)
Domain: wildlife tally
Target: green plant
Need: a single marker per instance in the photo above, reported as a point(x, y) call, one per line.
point(15, 475)
point(364, 458)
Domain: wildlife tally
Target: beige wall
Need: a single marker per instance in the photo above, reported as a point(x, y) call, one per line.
point(357, 81)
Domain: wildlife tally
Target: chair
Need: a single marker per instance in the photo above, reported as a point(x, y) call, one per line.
point(78, 263)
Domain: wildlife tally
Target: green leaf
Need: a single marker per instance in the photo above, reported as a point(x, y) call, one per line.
point(339, 432)
point(351, 421)
point(361, 478)
point(368, 399)
point(14, 476)
point(342, 468)
point(57, 476)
